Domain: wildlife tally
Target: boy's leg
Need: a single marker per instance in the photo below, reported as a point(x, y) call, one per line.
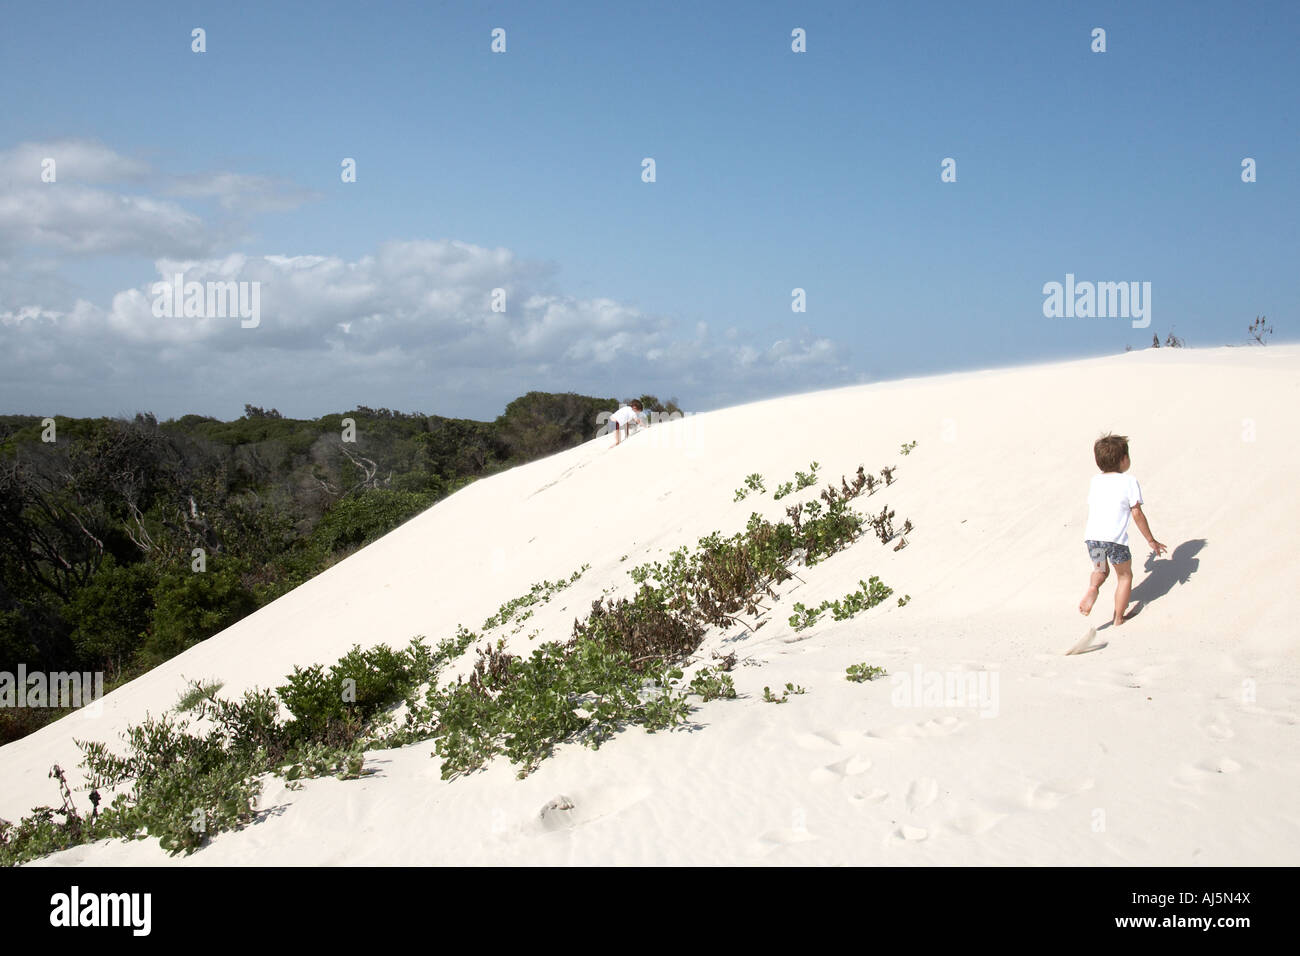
point(1098, 578)
point(1123, 586)
point(1095, 582)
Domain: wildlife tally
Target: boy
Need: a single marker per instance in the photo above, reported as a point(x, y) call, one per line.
point(623, 418)
point(1113, 498)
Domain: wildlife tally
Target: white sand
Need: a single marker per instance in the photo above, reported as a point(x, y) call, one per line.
point(1176, 743)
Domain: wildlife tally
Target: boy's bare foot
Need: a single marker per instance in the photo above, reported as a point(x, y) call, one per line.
point(1120, 619)
point(1089, 599)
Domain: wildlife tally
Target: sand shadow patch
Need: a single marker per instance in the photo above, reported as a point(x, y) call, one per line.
point(1162, 575)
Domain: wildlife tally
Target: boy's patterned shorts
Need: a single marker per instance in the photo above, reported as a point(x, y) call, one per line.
point(1099, 551)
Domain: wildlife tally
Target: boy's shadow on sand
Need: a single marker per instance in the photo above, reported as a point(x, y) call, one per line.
point(1163, 574)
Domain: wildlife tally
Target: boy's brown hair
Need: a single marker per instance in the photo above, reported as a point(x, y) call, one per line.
point(1109, 451)
point(635, 403)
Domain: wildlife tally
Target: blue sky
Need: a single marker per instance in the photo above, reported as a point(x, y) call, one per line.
point(522, 170)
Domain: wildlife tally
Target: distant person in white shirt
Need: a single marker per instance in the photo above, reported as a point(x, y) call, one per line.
point(1113, 498)
point(623, 419)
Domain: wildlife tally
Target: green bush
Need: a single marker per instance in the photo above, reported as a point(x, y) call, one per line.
point(367, 516)
point(521, 708)
point(355, 689)
point(644, 630)
point(713, 685)
point(184, 785)
point(192, 606)
point(113, 612)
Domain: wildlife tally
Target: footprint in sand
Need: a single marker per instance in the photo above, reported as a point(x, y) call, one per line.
point(975, 822)
point(1194, 774)
point(938, 727)
point(869, 797)
point(911, 834)
point(1048, 795)
point(922, 793)
point(848, 767)
point(1143, 676)
point(826, 739)
point(1219, 765)
point(1217, 726)
point(775, 839)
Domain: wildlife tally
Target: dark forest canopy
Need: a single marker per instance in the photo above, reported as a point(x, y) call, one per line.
point(103, 529)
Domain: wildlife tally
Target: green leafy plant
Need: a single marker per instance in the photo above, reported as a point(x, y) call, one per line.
point(337, 703)
point(863, 672)
point(802, 480)
point(538, 594)
point(42, 833)
point(806, 479)
point(196, 692)
point(192, 606)
point(805, 617)
point(871, 593)
point(906, 448)
point(771, 698)
point(521, 708)
point(712, 685)
point(753, 482)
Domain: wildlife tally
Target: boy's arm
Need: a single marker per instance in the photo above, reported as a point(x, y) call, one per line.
point(1140, 520)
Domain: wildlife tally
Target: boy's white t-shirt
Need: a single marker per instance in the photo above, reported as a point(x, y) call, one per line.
point(624, 415)
point(1110, 498)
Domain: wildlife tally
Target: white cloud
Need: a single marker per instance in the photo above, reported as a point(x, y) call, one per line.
point(103, 203)
point(241, 193)
point(86, 221)
point(76, 161)
point(409, 326)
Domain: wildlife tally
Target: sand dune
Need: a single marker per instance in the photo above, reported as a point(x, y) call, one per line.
point(1175, 743)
